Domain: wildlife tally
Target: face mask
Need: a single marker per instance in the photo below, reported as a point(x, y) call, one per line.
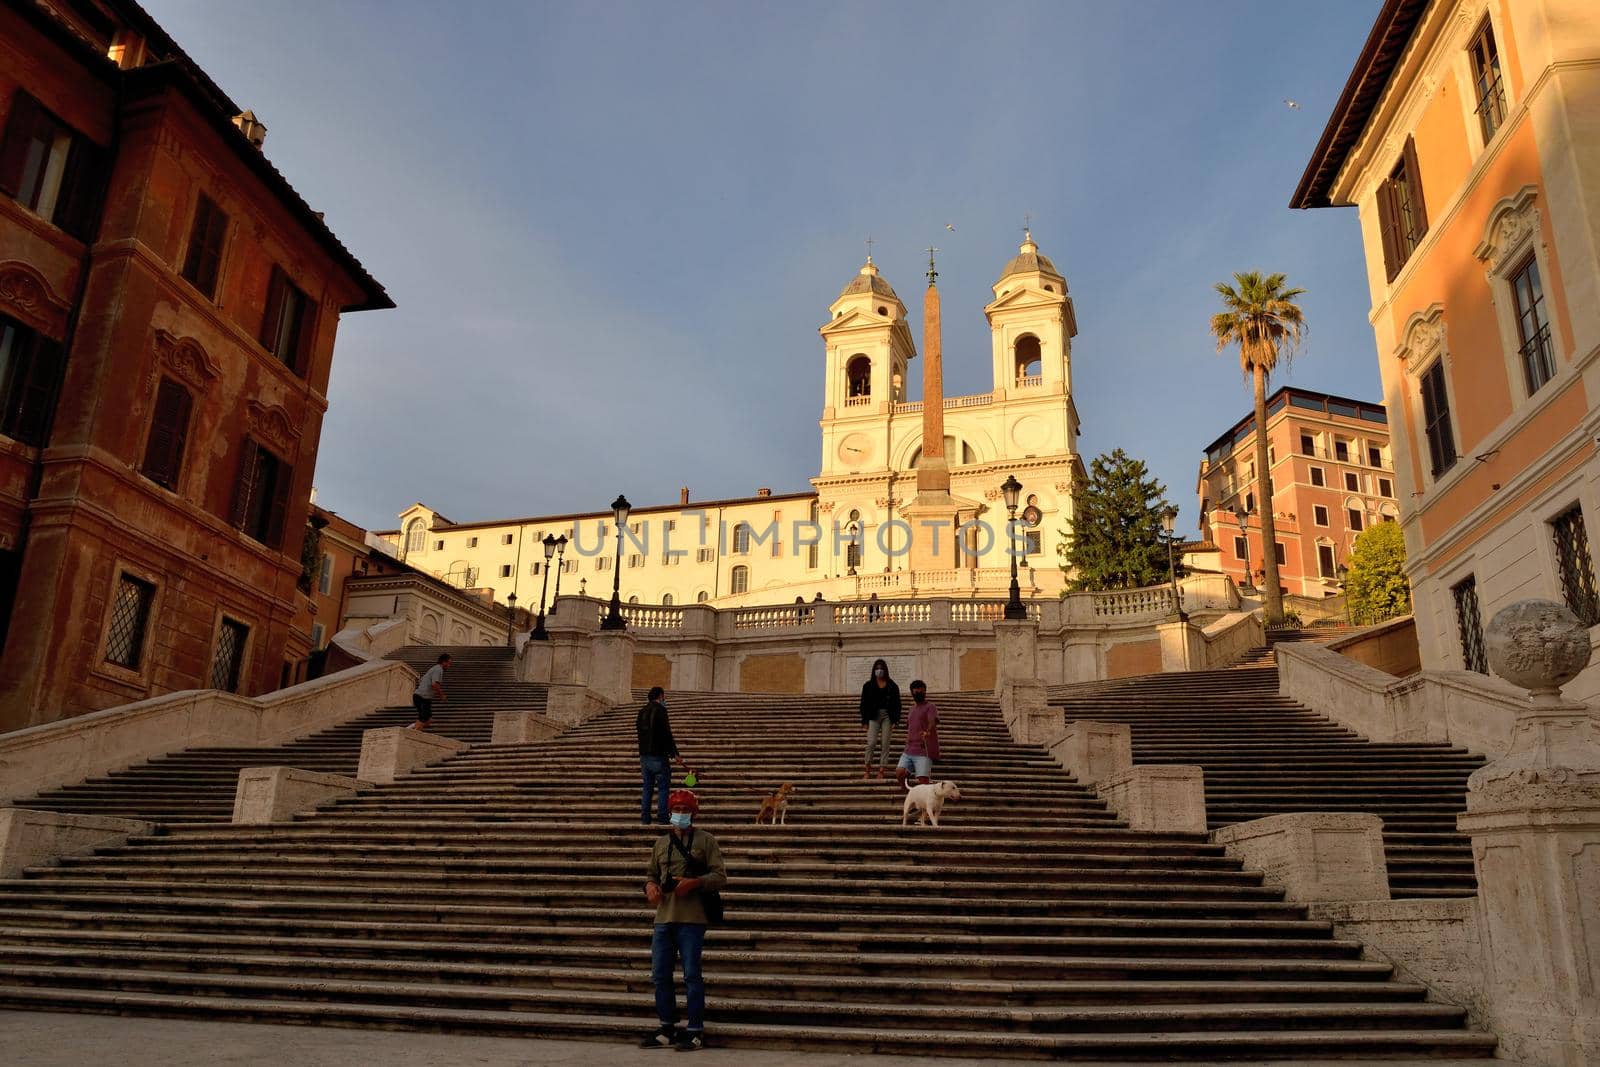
point(881, 673)
point(682, 819)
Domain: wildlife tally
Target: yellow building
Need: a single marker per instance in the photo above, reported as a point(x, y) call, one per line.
point(848, 537)
point(1468, 139)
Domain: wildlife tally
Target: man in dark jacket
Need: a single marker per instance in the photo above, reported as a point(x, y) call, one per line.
point(656, 747)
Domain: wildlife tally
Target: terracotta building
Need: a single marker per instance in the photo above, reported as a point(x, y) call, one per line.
point(168, 306)
point(1331, 479)
point(1466, 140)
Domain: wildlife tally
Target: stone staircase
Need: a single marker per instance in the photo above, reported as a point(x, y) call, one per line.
point(500, 892)
point(1266, 755)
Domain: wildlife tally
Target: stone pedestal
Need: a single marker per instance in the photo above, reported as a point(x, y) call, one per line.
point(515, 727)
point(1093, 751)
point(1314, 855)
point(1165, 798)
point(611, 665)
point(277, 794)
point(1534, 818)
point(1182, 645)
point(569, 705)
point(1016, 651)
point(30, 838)
point(388, 753)
point(535, 660)
point(1030, 720)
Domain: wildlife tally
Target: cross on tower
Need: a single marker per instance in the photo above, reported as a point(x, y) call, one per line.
point(1027, 224)
point(932, 274)
point(870, 243)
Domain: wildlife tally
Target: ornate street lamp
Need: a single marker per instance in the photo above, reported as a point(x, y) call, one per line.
point(561, 551)
point(614, 620)
point(538, 633)
point(1248, 585)
point(1169, 520)
point(1012, 489)
point(511, 619)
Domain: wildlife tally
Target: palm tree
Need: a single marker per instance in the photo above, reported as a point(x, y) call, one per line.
point(1262, 318)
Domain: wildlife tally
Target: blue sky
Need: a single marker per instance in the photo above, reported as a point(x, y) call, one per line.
point(612, 229)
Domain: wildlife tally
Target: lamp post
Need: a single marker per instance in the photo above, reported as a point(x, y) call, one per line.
point(561, 551)
point(1244, 536)
point(511, 619)
point(1169, 519)
point(538, 632)
point(614, 620)
point(1012, 488)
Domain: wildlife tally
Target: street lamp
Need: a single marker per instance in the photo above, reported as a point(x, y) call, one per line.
point(1244, 538)
point(511, 619)
point(1169, 519)
point(614, 620)
point(1012, 488)
point(538, 633)
point(561, 551)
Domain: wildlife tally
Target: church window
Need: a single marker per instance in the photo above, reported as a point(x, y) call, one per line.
point(1029, 359)
point(740, 581)
point(858, 379)
point(883, 311)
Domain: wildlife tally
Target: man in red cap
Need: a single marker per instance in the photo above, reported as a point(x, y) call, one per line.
point(685, 865)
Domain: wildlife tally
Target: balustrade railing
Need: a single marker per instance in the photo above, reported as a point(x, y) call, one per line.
point(653, 616)
point(870, 611)
point(1029, 381)
point(773, 618)
point(857, 401)
point(1133, 602)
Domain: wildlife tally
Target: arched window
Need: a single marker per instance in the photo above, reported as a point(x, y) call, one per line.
point(633, 600)
point(852, 548)
point(741, 539)
point(416, 530)
point(858, 379)
point(701, 597)
point(1029, 359)
point(666, 598)
point(741, 580)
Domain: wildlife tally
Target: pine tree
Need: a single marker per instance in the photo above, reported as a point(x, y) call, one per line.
point(1116, 541)
point(1376, 587)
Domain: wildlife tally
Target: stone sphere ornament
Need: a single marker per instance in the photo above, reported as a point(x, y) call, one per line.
point(1537, 644)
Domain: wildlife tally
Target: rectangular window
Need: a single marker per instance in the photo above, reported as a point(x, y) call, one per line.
point(1278, 552)
point(505, 570)
point(1352, 482)
point(812, 553)
point(1533, 325)
point(1035, 542)
point(261, 494)
point(1576, 565)
point(533, 569)
point(669, 525)
point(1341, 451)
point(1436, 419)
point(1319, 515)
point(1318, 477)
point(130, 617)
point(1385, 487)
point(1402, 218)
point(438, 546)
point(505, 539)
point(325, 575)
point(30, 379)
point(705, 555)
point(318, 632)
point(569, 567)
point(1469, 625)
point(203, 261)
point(472, 542)
point(1356, 519)
point(1487, 88)
point(229, 656)
point(1374, 456)
point(1241, 549)
point(635, 559)
point(286, 322)
point(169, 432)
point(1325, 565)
point(1308, 445)
point(51, 169)
point(602, 563)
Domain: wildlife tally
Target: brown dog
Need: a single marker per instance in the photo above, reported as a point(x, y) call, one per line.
point(775, 809)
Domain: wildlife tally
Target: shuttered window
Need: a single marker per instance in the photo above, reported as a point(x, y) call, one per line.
point(169, 432)
point(203, 261)
point(1436, 419)
point(286, 322)
point(1402, 216)
point(30, 379)
point(261, 494)
point(50, 168)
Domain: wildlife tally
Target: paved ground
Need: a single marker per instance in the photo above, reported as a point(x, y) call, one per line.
point(43, 1039)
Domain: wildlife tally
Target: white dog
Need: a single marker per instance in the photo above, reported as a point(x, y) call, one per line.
point(929, 799)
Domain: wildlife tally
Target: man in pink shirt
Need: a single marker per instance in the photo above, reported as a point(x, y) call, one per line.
point(922, 738)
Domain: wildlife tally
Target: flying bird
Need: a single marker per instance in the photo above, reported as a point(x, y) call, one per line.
point(1293, 106)
point(950, 227)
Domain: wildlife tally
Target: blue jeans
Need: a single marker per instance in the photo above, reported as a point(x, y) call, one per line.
point(669, 943)
point(657, 774)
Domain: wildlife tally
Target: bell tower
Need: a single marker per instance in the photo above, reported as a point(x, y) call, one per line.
point(868, 347)
point(1031, 324)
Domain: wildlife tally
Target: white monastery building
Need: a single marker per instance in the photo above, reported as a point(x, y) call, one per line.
point(851, 537)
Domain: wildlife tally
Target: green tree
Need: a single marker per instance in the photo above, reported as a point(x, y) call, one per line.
point(1116, 540)
point(1260, 316)
point(1376, 587)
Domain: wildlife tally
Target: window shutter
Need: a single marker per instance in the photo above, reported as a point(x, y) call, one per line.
point(243, 487)
point(36, 399)
point(282, 479)
point(272, 315)
point(20, 127)
point(301, 363)
point(169, 431)
point(1388, 212)
point(1419, 213)
point(81, 188)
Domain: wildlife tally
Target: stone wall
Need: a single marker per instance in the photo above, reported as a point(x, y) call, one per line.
point(1390, 647)
point(781, 673)
point(1431, 942)
point(1133, 657)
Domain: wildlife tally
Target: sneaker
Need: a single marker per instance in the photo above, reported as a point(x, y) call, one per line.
point(690, 1041)
point(662, 1037)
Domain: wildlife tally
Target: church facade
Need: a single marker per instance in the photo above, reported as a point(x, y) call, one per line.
point(851, 536)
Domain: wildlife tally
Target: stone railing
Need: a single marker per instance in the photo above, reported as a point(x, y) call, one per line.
point(773, 618)
point(911, 407)
point(887, 611)
point(857, 401)
point(1153, 601)
point(1026, 381)
point(651, 616)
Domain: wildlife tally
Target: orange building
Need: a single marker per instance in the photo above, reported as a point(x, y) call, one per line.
point(1466, 137)
point(168, 306)
point(1331, 479)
